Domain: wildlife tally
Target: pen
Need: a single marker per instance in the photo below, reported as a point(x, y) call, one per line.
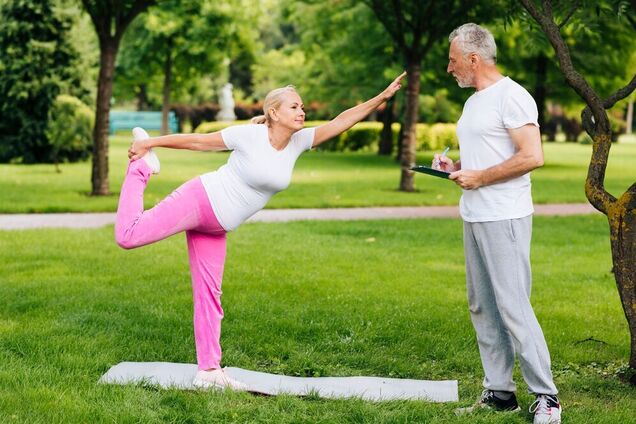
point(442, 155)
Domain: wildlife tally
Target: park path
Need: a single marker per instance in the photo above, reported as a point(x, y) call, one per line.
point(96, 220)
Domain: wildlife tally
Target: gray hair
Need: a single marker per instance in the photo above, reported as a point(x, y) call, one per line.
point(273, 100)
point(472, 38)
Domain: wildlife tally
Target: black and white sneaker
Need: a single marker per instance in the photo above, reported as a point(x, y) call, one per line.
point(489, 400)
point(546, 409)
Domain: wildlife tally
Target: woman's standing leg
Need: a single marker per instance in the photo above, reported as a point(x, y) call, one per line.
point(207, 258)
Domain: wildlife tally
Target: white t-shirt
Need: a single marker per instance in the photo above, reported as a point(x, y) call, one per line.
point(484, 142)
point(254, 172)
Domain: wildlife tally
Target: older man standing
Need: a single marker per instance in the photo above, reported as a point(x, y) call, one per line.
point(500, 144)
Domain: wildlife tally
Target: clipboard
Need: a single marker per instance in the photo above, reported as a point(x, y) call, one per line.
point(430, 171)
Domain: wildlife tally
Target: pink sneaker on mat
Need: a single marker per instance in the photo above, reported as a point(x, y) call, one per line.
point(150, 158)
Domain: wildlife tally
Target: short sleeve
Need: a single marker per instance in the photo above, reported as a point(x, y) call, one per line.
point(519, 109)
point(234, 135)
point(305, 138)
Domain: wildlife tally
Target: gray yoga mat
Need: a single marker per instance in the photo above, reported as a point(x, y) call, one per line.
point(166, 374)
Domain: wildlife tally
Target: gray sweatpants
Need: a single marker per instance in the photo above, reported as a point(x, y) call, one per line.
point(499, 280)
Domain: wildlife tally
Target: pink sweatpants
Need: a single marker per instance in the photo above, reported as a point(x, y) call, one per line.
point(186, 209)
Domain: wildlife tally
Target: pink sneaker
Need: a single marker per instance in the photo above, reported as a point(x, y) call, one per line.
point(150, 158)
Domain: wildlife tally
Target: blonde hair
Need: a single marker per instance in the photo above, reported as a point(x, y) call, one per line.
point(273, 100)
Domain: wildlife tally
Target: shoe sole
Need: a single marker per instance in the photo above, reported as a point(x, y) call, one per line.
point(206, 385)
point(139, 134)
point(472, 409)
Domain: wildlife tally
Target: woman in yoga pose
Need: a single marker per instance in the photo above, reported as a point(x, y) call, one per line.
point(213, 204)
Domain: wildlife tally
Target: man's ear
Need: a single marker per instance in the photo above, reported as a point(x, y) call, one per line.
point(474, 59)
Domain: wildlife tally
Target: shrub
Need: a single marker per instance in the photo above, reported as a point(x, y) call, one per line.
point(36, 59)
point(436, 136)
point(365, 136)
point(584, 138)
point(438, 108)
point(444, 135)
point(69, 129)
point(208, 127)
point(423, 137)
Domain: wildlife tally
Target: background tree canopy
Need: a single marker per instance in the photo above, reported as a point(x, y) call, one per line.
point(37, 62)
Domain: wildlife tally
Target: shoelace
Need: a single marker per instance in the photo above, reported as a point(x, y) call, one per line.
point(487, 394)
point(540, 405)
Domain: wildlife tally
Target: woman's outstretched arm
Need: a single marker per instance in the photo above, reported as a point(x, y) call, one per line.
point(350, 117)
point(211, 141)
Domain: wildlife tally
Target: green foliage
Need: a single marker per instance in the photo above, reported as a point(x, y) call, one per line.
point(365, 136)
point(70, 129)
point(85, 42)
point(436, 136)
point(36, 59)
point(209, 127)
point(438, 108)
point(349, 56)
point(197, 37)
point(599, 38)
point(278, 68)
point(584, 138)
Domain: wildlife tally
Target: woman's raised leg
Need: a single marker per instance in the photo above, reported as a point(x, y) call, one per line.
point(184, 209)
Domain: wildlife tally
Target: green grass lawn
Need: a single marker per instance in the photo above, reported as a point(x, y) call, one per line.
point(379, 298)
point(321, 179)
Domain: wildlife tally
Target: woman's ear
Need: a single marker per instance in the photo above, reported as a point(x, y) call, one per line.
point(273, 115)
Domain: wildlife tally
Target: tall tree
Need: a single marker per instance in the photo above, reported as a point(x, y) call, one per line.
point(415, 26)
point(524, 51)
point(621, 211)
point(111, 18)
point(346, 66)
point(183, 40)
point(36, 60)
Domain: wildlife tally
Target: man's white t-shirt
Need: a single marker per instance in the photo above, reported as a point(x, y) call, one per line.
point(484, 142)
point(254, 172)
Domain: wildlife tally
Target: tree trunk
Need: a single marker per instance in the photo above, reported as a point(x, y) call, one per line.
point(620, 212)
point(99, 177)
point(621, 216)
point(539, 86)
point(407, 156)
point(167, 82)
point(142, 98)
point(629, 118)
point(622, 222)
point(386, 138)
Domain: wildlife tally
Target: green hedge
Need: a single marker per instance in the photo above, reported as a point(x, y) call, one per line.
point(365, 136)
point(70, 129)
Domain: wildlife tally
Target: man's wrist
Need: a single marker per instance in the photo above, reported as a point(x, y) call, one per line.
point(483, 177)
